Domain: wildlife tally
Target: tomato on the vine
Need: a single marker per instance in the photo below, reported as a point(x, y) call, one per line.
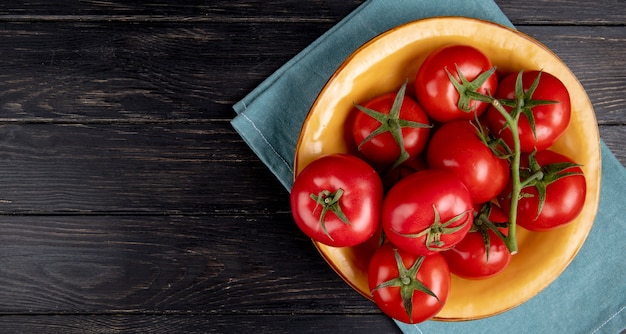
point(337, 200)
point(427, 212)
point(407, 287)
point(546, 108)
point(457, 147)
point(390, 129)
point(554, 192)
point(482, 253)
point(449, 70)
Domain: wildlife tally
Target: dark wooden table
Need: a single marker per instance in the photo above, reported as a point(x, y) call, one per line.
point(129, 204)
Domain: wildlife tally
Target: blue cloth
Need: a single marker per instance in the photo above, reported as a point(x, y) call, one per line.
point(589, 297)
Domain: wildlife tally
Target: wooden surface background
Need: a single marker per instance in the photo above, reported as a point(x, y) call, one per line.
point(129, 204)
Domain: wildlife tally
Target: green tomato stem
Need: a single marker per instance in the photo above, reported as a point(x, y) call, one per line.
point(329, 201)
point(522, 104)
point(533, 179)
point(511, 239)
point(393, 124)
point(512, 121)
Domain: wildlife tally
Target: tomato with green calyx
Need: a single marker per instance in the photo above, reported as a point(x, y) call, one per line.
point(407, 287)
point(444, 77)
point(512, 118)
point(544, 105)
point(427, 212)
point(482, 253)
point(337, 200)
point(553, 191)
point(390, 129)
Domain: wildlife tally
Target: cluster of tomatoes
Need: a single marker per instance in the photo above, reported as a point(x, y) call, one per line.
point(432, 183)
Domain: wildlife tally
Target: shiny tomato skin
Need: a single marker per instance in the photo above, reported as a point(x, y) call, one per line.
point(410, 205)
point(456, 147)
point(382, 150)
point(434, 90)
point(551, 120)
point(468, 259)
point(361, 200)
point(433, 273)
point(564, 200)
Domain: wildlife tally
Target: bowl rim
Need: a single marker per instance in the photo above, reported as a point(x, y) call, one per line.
point(321, 247)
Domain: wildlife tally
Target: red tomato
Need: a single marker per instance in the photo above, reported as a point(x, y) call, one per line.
point(436, 92)
point(427, 212)
point(337, 200)
point(565, 191)
point(550, 120)
point(407, 287)
point(456, 147)
point(482, 253)
point(393, 123)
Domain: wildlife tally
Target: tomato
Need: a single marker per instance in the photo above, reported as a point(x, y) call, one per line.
point(337, 200)
point(550, 120)
point(390, 129)
point(555, 198)
point(407, 287)
point(482, 253)
point(437, 93)
point(457, 147)
point(427, 212)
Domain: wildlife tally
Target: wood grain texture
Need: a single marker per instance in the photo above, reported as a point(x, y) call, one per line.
point(541, 12)
point(168, 10)
point(100, 72)
point(191, 324)
point(207, 264)
point(129, 204)
point(136, 168)
point(565, 12)
point(158, 169)
point(130, 271)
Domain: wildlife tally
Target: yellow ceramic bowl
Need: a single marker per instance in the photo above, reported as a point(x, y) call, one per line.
point(381, 66)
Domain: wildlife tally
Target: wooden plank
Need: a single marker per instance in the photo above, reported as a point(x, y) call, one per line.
point(565, 12)
point(157, 168)
point(81, 72)
point(166, 11)
point(77, 71)
point(180, 168)
point(561, 12)
point(222, 264)
point(198, 323)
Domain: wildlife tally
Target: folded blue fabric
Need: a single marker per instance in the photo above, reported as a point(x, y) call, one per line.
point(589, 297)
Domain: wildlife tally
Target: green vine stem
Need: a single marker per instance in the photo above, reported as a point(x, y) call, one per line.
point(522, 104)
point(511, 238)
point(512, 121)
